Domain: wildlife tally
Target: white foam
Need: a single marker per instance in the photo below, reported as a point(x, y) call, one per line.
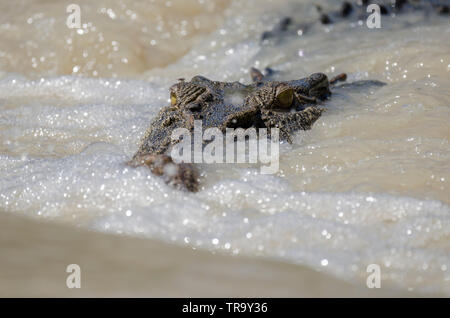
point(368, 184)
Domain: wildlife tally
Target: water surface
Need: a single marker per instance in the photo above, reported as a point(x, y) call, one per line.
point(368, 184)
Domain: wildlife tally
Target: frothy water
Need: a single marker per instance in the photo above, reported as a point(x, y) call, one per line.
point(367, 185)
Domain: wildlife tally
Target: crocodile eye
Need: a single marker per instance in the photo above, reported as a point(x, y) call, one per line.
point(173, 98)
point(285, 96)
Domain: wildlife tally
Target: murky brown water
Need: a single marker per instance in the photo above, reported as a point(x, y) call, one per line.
point(116, 38)
point(368, 184)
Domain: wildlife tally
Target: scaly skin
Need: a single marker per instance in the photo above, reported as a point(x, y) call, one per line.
point(262, 104)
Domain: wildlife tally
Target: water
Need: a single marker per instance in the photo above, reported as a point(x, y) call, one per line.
point(367, 185)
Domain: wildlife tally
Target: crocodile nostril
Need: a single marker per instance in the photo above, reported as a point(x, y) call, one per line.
point(318, 77)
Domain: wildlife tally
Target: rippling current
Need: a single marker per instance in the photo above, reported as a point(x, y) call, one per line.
point(368, 184)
